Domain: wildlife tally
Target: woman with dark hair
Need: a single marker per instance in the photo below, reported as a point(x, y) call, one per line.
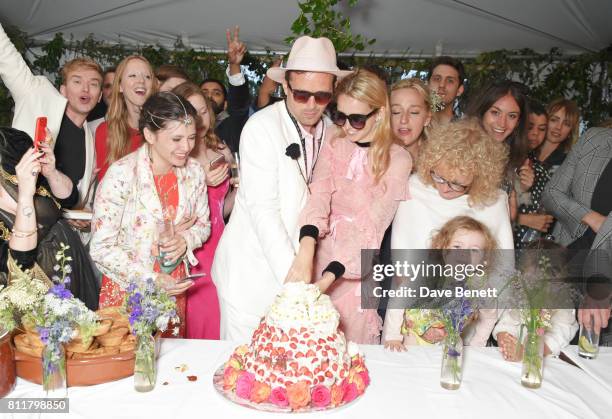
point(140, 200)
point(502, 111)
point(32, 195)
point(532, 221)
point(202, 300)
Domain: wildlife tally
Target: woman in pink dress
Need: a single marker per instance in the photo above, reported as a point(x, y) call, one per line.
point(358, 182)
point(215, 158)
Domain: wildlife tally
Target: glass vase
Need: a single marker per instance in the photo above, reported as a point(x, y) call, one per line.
point(54, 371)
point(452, 361)
point(145, 370)
point(533, 359)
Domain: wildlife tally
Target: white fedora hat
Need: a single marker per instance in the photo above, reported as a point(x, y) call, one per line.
point(309, 54)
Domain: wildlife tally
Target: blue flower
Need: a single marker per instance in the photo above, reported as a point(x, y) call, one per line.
point(453, 352)
point(60, 291)
point(44, 334)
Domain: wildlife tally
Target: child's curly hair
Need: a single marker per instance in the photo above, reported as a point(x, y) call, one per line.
point(444, 236)
point(467, 150)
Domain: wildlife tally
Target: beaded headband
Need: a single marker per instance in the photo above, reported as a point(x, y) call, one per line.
point(187, 120)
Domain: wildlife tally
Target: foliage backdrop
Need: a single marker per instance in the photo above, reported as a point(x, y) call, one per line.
point(583, 78)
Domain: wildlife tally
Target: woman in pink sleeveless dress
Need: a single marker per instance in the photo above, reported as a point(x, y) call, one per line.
point(202, 302)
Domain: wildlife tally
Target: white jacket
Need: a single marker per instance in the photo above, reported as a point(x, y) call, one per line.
point(260, 241)
point(35, 96)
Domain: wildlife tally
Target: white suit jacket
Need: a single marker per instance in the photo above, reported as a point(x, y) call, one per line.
point(260, 241)
point(35, 96)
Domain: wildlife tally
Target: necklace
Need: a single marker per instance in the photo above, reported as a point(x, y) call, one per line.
point(316, 146)
point(164, 185)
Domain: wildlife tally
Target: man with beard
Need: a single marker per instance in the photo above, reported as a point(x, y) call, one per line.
point(231, 107)
point(445, 77)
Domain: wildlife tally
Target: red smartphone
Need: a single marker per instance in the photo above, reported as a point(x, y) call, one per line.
point(217, 162)
point(40, 132)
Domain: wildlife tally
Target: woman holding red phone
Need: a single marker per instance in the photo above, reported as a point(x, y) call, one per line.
point(215, 158)
point(32, 194)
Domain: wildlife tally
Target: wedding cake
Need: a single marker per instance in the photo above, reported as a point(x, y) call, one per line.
point(297, 358)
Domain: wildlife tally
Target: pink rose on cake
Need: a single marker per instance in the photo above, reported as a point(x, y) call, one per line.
point(230, 375)
point(244, 384)
point(260, 392)
point(350, 391)
point(298, 394)
point(278, 396)
point(320, 396)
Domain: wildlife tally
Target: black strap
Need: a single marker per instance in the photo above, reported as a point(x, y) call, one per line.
point(316, 147)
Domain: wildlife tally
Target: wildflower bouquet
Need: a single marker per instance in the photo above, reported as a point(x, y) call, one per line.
point(22, 295)
point(454, 315)
point(533, 297)
point(58, 318)
point(149, 308)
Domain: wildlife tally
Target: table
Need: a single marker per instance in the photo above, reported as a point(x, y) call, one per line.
point(403, 385)
point(599, 368)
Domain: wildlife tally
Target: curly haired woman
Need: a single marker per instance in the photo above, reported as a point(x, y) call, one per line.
point(459, 173)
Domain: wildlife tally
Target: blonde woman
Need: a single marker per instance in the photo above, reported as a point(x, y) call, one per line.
point(561, 133)
point(359, 180)
point(411, 113)
point(118, 136)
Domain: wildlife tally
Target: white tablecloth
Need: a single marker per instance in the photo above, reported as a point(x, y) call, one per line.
point(599, 368)
point(403, 385)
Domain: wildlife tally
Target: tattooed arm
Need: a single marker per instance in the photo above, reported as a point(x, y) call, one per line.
point(24, 234)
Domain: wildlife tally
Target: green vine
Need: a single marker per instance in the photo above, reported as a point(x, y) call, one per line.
point(318, 18)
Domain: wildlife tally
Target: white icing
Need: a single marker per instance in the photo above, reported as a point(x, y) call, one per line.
point(302, 305)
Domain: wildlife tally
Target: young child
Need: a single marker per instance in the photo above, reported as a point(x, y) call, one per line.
point(563, 321)
point(420, 326)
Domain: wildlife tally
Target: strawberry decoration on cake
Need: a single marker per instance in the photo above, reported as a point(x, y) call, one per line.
point(297, 360)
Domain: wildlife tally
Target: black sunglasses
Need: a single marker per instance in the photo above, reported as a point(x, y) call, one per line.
point(356, 120)
point(302, 96)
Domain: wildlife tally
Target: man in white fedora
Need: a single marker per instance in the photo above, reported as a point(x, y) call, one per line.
point(279, 147)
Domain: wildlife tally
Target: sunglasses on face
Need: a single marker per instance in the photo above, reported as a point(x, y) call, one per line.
point(303, 96)
point(356, 120)
point(456, 187)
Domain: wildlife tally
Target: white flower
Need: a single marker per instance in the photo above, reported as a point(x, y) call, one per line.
point(352, 349)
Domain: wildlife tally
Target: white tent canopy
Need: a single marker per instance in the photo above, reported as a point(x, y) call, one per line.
point(411, 27)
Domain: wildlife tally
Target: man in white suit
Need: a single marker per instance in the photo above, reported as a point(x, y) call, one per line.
point(279, 147)
point(66, 110)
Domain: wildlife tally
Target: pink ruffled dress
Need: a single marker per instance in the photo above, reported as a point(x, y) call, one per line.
point(352, 212)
